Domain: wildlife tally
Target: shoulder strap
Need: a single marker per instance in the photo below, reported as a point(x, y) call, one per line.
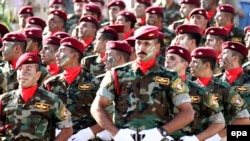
point(117, 88)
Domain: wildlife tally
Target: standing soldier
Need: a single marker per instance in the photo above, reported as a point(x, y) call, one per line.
point(224, 18)
point(75, 87)
point(32, 113)
point(140, 11)
point(23, 14)
point(142, 92)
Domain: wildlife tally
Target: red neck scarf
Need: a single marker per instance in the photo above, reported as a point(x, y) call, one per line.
point(159, 27)
point(229, 27)
point(53, 69)
point(88, 41)
point(71, 74)
point(143, 21)
point(204, 81)
point(13, 63)
point(28, 93)
point(102, 55)
point(217, 56)
point(144, 66)
point(183, 77)
point(210, 14)
point(128, 33)
point(233, 74)
point(35, 52)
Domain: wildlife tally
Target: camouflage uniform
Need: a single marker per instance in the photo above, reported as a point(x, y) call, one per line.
point(169, 36)
point(237, 35)
point(71, 23)
point(89, 51)
point(171, 14)
point(175, 24)
point(35, 120)
point(77, 97)
point(241, 85)
point(8, 77)
point(93, 64)
point(144, 101)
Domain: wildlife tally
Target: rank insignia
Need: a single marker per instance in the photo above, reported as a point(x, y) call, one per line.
point(84, 86)
point(237, 100)
point(42, 106)
point(241, 89)
point(162, 80)
point(213, 102)
point(195, 99)
point(236, 39)
point(64, 113)
point(179, 86)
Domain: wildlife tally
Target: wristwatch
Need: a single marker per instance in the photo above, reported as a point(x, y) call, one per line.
point(163, 132)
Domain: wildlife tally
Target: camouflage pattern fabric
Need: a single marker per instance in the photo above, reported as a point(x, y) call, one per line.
point(71, 23)
point(35, 120)
point(89, 51)
point(169, 36)
point(236, 35)
point(93, 65)
point(175, 24)
point(171, 14)
point(145, 100)
point(77, 97)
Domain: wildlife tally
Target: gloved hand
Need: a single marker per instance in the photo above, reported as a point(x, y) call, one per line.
point(104, 135)
point(151, 135)
point(189, 138)
point(82, 135)
point(215, 137)
point(124, 135)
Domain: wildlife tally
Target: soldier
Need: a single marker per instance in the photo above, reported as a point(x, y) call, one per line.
point(139, 10)
point(48, 58)
point(87, 29)
point(188, 36)
point(114, 6)
point(224, 18)
point(95, 63)
point(74, 17)
point(75, 87)
point(210, 6)
point(186, 7)
point(142, 88)
point(55, 22)
point(23, 14)
point(246, 65)
point(198, 16)
point(128, 19)
point(34, 39)
point(35, 22)
point(34, 112)
point(57, 5)
point(178, 59)
point(154, 16)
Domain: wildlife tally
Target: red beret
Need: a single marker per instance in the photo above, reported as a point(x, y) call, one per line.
point(86, 1)
point(93, 8)
point(119, 3)
point(246, 29)
point(14, 36)
point(161, 36)
point(236, 46)
point(187, 28)
point(101, 1)
point(26, 10)
point(226, 8)
point(61, 34)
point(131, 41)
point(200, 11)
point(59, 13)
point(154, 10)
point(33, 32)
point(3, 29)
point(194, 2)
point(203, 52)
point(219, 31)
point(107, 29)
point(37, 21)
point(128, 14)
point(27, 58)
point(179, 50)
point(52, 40)
point(147, 2)
point(119, 45)
point(89, 18)
point(73, 43)
point(119, 28)
point(51, 2)
point(147, 32)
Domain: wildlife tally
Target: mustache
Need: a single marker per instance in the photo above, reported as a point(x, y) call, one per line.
point(142, 53)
